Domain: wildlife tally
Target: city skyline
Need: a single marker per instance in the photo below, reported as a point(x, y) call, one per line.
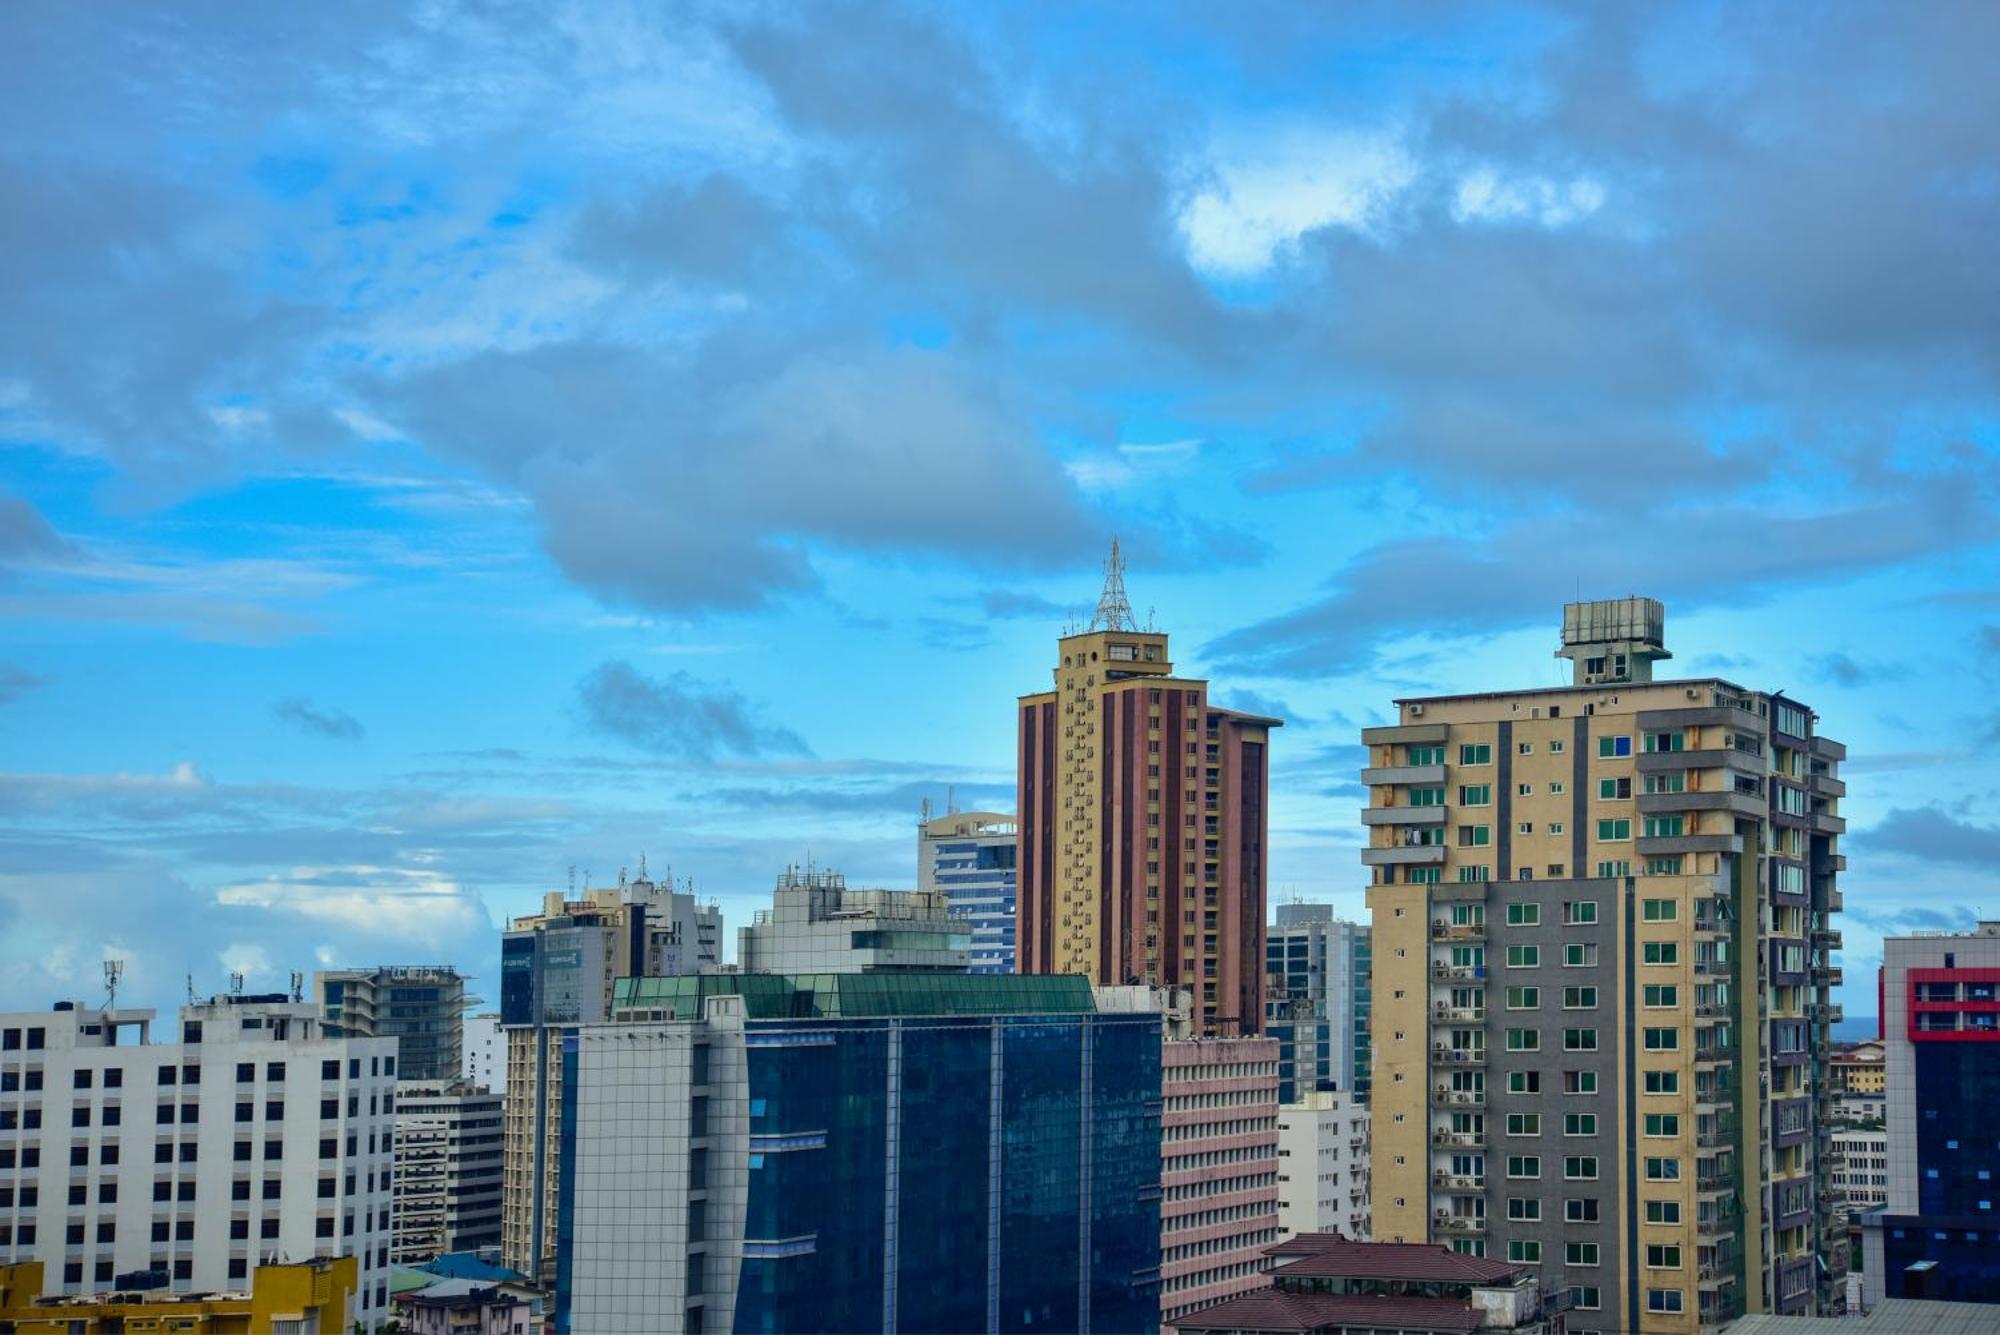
point(362, 580)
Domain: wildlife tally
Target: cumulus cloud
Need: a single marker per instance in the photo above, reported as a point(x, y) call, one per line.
point(1933, 835)
point(678, 716)
point(303, 715)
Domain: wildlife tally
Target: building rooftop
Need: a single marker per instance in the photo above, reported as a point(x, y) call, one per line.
point(1892, 1316)
point(772, 996)
point(1311, 1254)
point(1276, 1310)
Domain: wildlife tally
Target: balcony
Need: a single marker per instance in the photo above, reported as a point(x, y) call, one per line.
point(1404, 855)
point(1402, 816)
point(1445, 1180)
point(1707, 757)
point(1458, 1225)
point(1440, 969)
point(1828, 784)
point(1668, 845)
point(1827, 938)
point(1830, 974)
point(1824, 822)
point(1421, 734)
point(1446, 1013)
point(1447, 1055)
point(1458, 931)
point(1397, 775)
point(1751, 806)
point(1443, 1096)
point(1458, 1139)
point(1714, 1138)
point(1712, 1010)
point(1714, 1181)
point(1715, 968)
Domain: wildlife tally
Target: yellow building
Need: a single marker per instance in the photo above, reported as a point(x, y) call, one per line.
point(1861, 1069)
point(1601, 925)
point(311, 1296)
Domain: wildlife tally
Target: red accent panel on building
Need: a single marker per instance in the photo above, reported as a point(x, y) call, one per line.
point(1913, 978)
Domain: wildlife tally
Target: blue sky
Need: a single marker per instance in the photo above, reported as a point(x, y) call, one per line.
point(442, 445)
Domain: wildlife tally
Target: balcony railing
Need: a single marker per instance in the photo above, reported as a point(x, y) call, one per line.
point(1459, 1014)
point(1443, 1097)
point(1458, 931)
point(1449, 1181)
point(1451, 1056)
point(1460, 1139)
point(1461, 1224)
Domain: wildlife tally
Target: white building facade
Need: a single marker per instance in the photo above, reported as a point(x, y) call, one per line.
point(817, 924)
point(485, 1052)
point(1323, 1166)
point(252, 1139)
point(450, 1159)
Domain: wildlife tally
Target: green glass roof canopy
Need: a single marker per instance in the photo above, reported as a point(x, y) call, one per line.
point(771, 996)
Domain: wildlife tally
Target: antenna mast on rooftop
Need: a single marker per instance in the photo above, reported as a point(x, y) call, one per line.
point(114, 969)
point(1114, 609)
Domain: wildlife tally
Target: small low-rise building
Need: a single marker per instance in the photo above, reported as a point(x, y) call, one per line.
point(312, 1295)
point(817, 923)
point(463, 1307)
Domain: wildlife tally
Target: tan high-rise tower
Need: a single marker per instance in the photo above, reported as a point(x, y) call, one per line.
point(1143, 824)
point(1602, 918)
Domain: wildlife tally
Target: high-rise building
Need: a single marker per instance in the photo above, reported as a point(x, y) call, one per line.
point(968, 856)
point(1323, 1165)
point(485, 1063)
point(1316, 1000)
point(418, 1005)
point(449, 1153)
point(861, 1151)
point(817, 924)
point(1142, 824)
point(1935, 1237)
point(557, 968)
point(1219, 1171)
point(255, 1138)
point(1601, 931)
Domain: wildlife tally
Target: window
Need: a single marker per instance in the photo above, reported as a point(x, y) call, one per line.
point(1474, 873)
point(1579, 1040)
point(1663, 1256)
point(1658, 742)
point(1612, 831)
point(1612, 747)
point(1479, 754)
point(1524, 1040)
point(1579, 1082)
point(1580, 1211)
point(1663, 1040)
point(1523, 998)
point(1524, 915)
point(1621, 867)
point(1659, 910)
point(1662, 996)
point(1666, 866)
point(1663, 1212)
point(1426, 797)
point(1579, 998)
point(1660, 952)
point(1611, 790)
point(1580, 955)
point(1475, 836)
point(1663, 1082)
point(1580, 1168)
point(1524, 1165)
point(1579, 911)
point(1524, 1082)
point(1663, 1124)
point(1524, 957)
point(1666, 783)
point(1426, 755)
point(1663, 1170)
point(1579, 1124)
point(1524, 1251)
point(1524, 790)
point(1581, 1253)
point(1525, 827)
point(1663, 1300)
point(1524, 749)
point(1524, 1124)
point(1586, 1297)
point(1475, 794)
point(1528, 1208)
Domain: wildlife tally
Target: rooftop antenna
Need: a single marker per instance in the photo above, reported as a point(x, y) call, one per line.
point(235, 984)
point(642, 866)
point(572, 880)
point(925, 818)
point(1114, 609)
point(951, 799)
point(113, 971)
point(298, 986)
point(190, 983)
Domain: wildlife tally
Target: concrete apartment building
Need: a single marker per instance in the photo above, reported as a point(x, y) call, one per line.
point(485, 1063)
point(818, 924)
point(1935, 1236)
point(418, 1005)
point(1219, 1169)
point(862, 1151)
point(968, 856)
point(557, 968)
point(1143, 824)
point(1323, 1166)
point(1316, 1000)
point(253, 1139)
point(450, 1152)
point(1602, 924)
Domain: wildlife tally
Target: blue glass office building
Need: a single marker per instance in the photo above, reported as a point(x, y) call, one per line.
point(917, 1152)
point(1316, 1001)
point(970, 856)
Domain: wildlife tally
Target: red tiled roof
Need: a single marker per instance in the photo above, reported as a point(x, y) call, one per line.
point(1331, 1254)
point(1303, 1313)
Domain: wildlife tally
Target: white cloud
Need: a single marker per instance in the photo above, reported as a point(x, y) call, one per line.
point(385, 902)
point(1486, 196)
point(1267, 191)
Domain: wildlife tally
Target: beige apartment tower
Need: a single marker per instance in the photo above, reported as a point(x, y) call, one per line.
point(1143, 824)
point(1601, 997)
